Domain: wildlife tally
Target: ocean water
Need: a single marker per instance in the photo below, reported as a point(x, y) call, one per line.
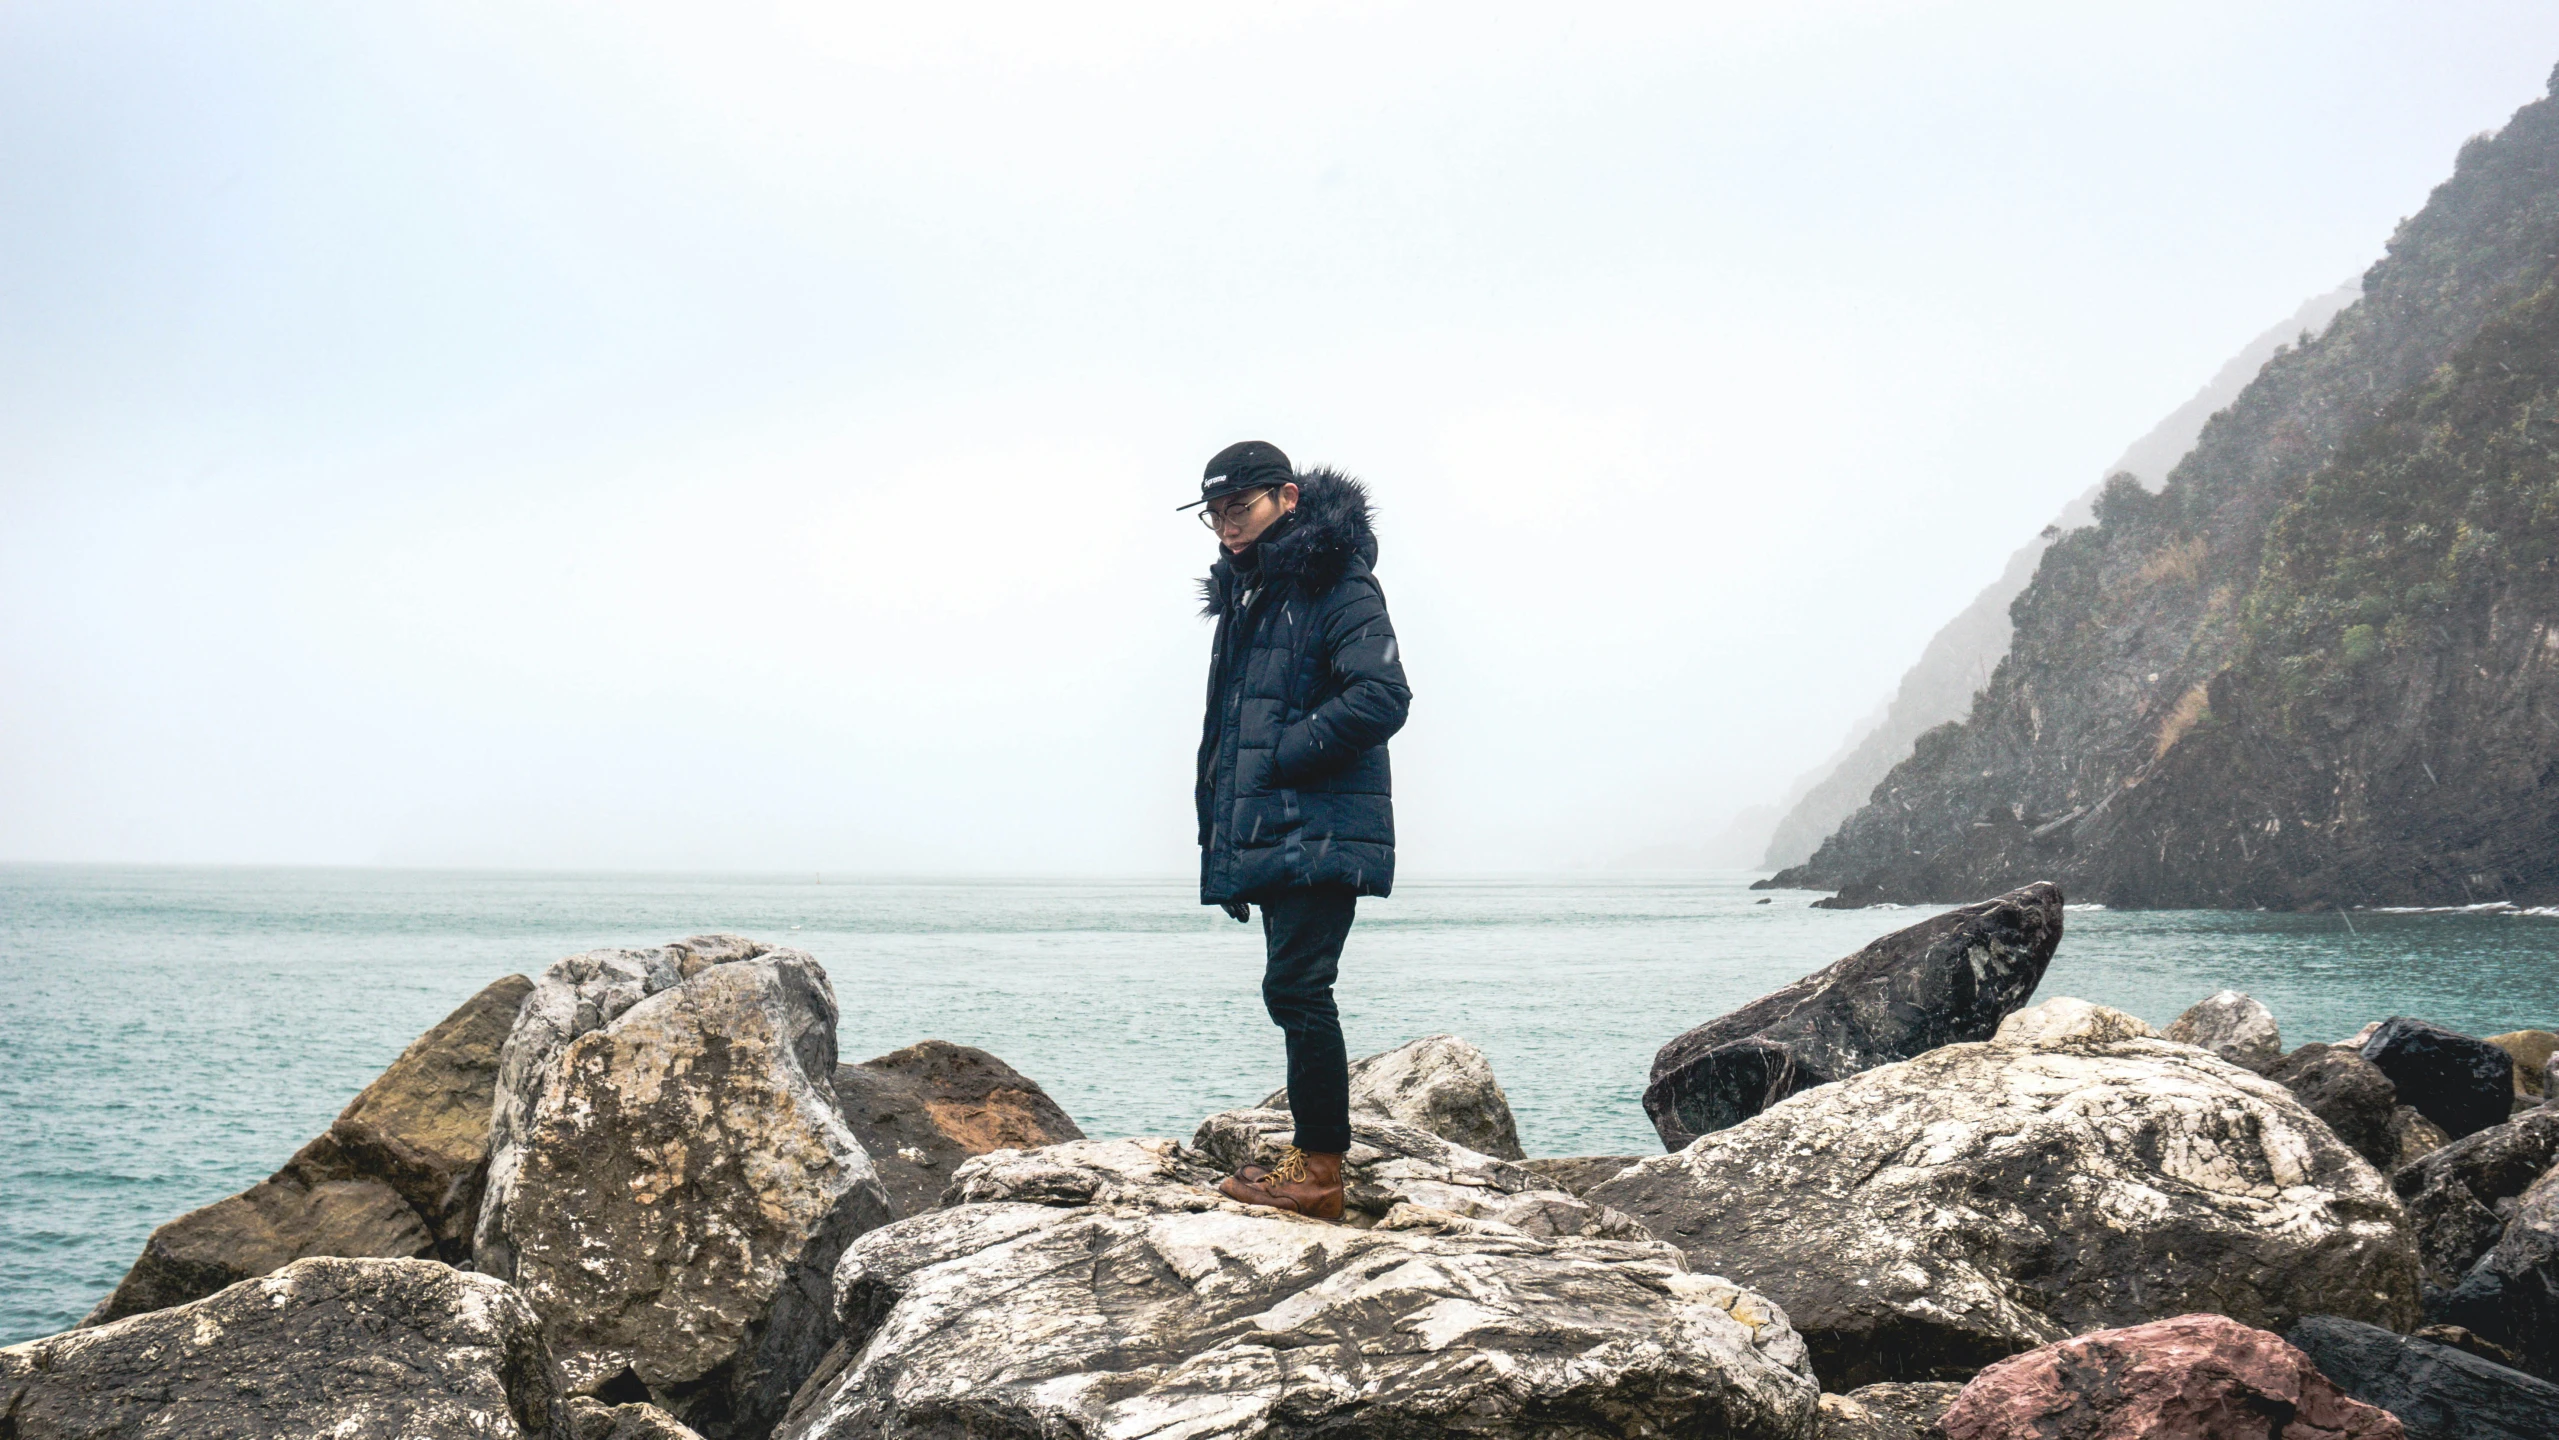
point(172, 1035)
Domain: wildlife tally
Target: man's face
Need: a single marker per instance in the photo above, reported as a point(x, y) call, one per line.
point(1239, 520)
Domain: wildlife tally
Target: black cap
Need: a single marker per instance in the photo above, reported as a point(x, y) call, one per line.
point(1244, 465)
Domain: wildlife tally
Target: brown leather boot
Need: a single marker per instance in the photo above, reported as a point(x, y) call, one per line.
point(1305, 1181)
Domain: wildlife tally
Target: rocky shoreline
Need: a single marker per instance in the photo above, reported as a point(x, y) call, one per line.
point(639, 1196)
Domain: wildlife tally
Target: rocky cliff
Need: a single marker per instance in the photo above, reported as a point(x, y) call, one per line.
point(1960, 657)
point(2321, 665)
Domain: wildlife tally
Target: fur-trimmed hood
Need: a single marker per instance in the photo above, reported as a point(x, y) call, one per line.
point(1314, 546)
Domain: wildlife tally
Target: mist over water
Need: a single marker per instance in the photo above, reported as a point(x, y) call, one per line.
point(174, 1035)
point(660, 436)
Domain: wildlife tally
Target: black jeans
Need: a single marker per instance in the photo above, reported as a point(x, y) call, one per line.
point(1304, 931)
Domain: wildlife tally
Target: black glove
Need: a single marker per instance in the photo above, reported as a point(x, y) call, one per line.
point(1238, 911)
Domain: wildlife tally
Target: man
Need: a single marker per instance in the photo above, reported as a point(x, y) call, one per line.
point(1304, 687)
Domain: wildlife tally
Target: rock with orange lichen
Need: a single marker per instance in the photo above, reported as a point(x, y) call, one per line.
point(922, 1110)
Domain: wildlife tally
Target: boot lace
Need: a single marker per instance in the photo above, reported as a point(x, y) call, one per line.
point(1291, 1168)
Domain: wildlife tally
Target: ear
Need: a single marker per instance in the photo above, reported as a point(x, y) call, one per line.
point(1288, 496)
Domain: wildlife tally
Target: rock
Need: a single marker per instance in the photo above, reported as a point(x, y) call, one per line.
point(591, 1419)
point(422, 1127)
point(356, 1349)
point(922, 1110)
point(2532, 1051)
point(396, 1176)
point(2342, 1088)
point(2413, 1137)
point(1574, 1174)
point(1923, 1219)
point(1887, 1412)
point(1438, 1083)
point(997, 1321)
point(582, 993)
point(1944, 980)
point(2193, 1377)
point(2550, 1079)
point(2456, 1194)
point(2462, 1084)
point(2355, 1042)
point(2469, 1344)
point(281, 1219)
point(2437, 1391)
point(1390, 1165)
point(2511, 1296)
point(681, 1189)
point(2068, 1019)
point(2234, 1027)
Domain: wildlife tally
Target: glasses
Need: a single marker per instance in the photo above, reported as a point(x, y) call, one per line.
point(1232, 512)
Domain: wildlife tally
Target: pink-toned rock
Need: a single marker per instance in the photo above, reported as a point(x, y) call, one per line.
point(2194, 1377)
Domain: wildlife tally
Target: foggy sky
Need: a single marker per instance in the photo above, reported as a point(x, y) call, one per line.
point(747, 436)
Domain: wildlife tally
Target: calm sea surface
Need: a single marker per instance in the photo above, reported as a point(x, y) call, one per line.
point(170, 1036)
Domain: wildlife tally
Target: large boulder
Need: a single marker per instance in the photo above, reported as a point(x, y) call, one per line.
point(2459, 1195)
point(1939, 982)
point(1388, 1167)
point(2193, 1377)
point(922, 1110)
point(397, 1175)
point(2532, 1051)
point(2438, 1392)
point(2511, 1296)
point(2461, 1083)
point(1923, 1219)
point(1438, 1083)
point(2336, 1083)
point(575, 996)
point(1181, 1314)
point(681, 1187)
point(2234, 1027)
point(1888, 1411)
point(354, 1349)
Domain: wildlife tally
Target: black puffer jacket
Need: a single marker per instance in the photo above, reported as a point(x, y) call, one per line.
point(1304, 687)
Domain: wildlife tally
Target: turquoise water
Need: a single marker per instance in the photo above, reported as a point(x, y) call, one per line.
point(172, 1035)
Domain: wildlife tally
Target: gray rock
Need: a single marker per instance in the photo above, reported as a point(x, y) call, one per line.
point(922, 1110)
point(1923, 1219)
point(582, 993)
point(1390, 1165)
point(1949, 979)
point(1061, 1323)
point(591, 1419)
point(2069, 1020)
point(2234, 1027)
point(354, 1349)
point(2461, 1082)
point(2343, 1089)
point(1438, 1083)
point(1388, 1168)
point(2437, 1391)
point(2413, 1137)
point(397, 1175)
point(2458, 1194)
point(1888, 1411)
point(2511, 1296)
point(681, 1187)
point(1577, 1173)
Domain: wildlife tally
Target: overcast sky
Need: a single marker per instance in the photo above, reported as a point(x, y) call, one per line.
point(747, 436)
